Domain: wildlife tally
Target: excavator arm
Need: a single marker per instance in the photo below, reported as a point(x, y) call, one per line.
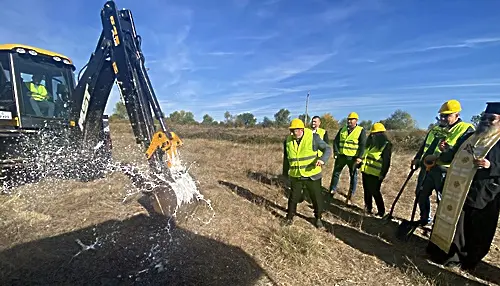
point(118, 58)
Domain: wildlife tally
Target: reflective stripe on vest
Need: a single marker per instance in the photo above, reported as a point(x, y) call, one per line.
point(428, 141)
point(372, 161)
point(321, 132)
point(454, 134)
point(302, 158)
point(37, 93)
point(349, 143)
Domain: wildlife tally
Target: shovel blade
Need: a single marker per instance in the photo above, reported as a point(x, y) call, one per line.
point(406, 229)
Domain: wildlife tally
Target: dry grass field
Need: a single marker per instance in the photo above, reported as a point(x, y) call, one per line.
point(75, 233)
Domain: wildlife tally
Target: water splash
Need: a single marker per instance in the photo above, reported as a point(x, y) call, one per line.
point(52, 157)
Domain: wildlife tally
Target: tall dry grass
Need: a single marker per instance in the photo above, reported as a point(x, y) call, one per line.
point(240, 179)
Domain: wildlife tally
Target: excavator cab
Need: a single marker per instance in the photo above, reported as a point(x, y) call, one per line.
point(36, 93)
point(35, 88)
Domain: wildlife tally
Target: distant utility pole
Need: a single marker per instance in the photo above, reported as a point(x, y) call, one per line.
point(307, 102)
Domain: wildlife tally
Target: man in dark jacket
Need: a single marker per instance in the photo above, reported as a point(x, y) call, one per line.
point(305, 168)
point(467, 216)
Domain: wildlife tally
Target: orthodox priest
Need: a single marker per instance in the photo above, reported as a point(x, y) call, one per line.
point(467, 216)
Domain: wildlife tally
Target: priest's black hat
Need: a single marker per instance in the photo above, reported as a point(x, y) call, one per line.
point(493, 107)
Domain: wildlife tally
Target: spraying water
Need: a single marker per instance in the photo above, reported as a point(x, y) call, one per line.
point(53, 157)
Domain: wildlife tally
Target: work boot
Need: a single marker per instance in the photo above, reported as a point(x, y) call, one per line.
point(287, 222)
point(318, 223)
point(348, 200)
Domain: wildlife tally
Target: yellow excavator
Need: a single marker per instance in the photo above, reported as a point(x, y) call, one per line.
point(47, 115)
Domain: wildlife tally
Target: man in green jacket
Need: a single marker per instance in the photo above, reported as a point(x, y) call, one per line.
point(304, 168)
point(438, 139)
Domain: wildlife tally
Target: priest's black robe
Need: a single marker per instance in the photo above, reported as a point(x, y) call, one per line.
point(479, 217)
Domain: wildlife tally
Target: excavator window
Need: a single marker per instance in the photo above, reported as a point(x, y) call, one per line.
point(7, 104)
point(44, 87)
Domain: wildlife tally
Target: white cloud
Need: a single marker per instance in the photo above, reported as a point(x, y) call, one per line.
point(467, 43)
point(452, 85)
point(283, 70)
point(223, 53)
point(263, 37)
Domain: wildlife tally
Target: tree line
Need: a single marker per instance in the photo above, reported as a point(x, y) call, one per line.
point(398, 120)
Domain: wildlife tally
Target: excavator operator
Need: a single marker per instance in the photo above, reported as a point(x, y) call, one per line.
point(39, 97)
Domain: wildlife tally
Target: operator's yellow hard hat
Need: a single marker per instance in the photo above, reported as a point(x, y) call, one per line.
point(378, 127)
point(296, 124)
point(451, 106)
point(353, 115)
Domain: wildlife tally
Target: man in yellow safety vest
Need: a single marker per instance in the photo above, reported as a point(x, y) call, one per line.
point(450, 129)
point(39, 97)
point(375, 166)
point(305, 168)
point(348, 149)
point(323, 134)
point(467, 217)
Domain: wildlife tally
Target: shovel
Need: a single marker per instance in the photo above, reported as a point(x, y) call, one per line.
point(406, 228)
point(389, 216)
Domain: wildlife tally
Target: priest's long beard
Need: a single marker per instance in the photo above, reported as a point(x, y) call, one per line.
point(487, 128)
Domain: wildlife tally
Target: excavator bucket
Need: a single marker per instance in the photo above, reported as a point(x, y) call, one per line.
point(169, 146)
point(161, 199)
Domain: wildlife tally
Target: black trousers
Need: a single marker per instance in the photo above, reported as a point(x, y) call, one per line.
point(371, 190)
point(313, 187)
point(473, 237)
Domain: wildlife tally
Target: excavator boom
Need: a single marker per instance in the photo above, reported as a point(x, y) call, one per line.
point(118, 58)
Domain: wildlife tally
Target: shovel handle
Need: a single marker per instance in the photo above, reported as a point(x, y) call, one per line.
point(429, 164)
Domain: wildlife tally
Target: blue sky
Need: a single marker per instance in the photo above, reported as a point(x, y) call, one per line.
point(372, 57)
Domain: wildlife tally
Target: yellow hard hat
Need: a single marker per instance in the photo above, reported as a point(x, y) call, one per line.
point(377, 127)
point(296, 123)
point(353, 115)
point(451, 106)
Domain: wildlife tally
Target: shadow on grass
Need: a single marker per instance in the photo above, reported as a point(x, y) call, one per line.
point(407, 256)
point(261, 201)
point(414, 248)
point(137, 251)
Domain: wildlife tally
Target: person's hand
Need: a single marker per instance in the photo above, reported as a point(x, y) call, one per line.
point(443, 146)
point(430, 158)
point(482, 163)
point(320, 163)
point(358, 161)
point(414, 163)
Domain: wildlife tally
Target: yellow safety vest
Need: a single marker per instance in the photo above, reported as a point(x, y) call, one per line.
point(453, 135)
point(302, 157)
point(430, 138)
point(38, 93)
point(372, 161)
point(321, 132)
point(349, 143)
